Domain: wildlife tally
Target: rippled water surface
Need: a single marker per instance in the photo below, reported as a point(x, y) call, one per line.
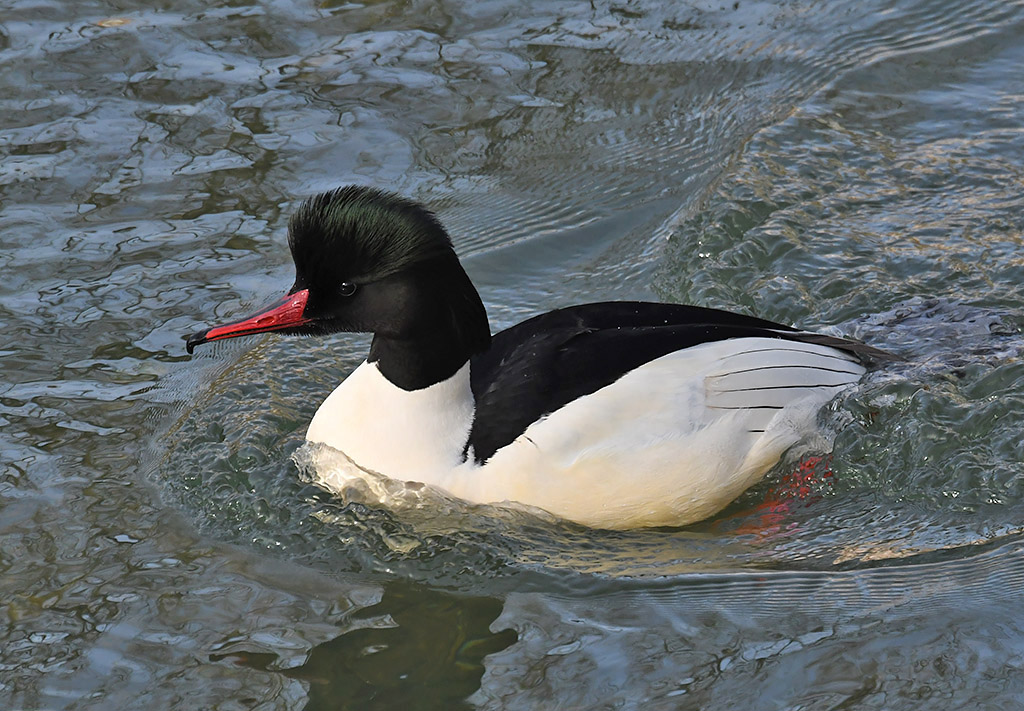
point(855, 167)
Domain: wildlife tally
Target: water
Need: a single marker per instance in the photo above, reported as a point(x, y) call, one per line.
point(853, 167)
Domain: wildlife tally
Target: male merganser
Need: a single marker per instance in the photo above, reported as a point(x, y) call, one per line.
point(615, 414)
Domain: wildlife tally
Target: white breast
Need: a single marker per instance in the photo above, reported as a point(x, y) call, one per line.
point(415, 435)
point(669, 443)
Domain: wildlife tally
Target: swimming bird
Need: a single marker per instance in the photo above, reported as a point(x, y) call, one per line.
point(613, 414)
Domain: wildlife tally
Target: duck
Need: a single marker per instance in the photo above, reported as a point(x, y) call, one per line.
point(617, 414)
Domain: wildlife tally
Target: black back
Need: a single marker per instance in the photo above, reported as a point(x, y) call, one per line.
point(539, 365)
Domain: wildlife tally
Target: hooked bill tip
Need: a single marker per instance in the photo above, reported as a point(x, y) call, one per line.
point(194, 340)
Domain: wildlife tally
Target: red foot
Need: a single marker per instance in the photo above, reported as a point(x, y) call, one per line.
point(811, 476)
point(804, 486)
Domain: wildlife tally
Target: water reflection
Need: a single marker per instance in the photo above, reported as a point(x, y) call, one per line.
point(415, 649)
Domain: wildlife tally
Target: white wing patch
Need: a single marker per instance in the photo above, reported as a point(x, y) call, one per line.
point(767, 378)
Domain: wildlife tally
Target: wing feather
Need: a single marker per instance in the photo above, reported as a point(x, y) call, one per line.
point(540, 365)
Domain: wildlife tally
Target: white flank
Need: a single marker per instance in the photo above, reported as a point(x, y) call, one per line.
point(669, 443)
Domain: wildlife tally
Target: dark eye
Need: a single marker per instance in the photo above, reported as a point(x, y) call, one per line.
point(347, 288)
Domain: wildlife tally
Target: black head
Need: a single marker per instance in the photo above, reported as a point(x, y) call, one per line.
point(360, 235)
point(371, 261)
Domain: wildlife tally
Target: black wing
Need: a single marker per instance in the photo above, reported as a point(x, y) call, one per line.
point(539, 365)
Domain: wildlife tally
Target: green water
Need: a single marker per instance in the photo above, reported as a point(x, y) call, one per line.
point(854, 167)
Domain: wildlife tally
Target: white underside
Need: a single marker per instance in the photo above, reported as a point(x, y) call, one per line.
point(669, 443)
